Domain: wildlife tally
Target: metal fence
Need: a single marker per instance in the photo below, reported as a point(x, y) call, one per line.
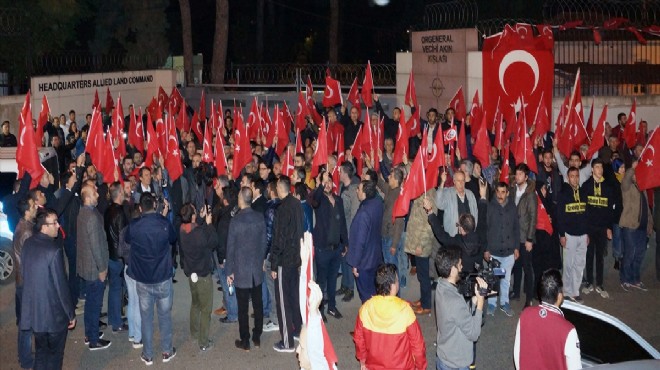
point(85, 62)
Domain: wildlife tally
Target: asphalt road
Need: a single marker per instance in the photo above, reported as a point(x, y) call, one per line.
point(494, 350)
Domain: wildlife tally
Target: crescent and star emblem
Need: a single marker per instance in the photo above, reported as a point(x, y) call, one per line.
point(332, 93)
point(518, 56)
point(649, 162)
point(435, 153)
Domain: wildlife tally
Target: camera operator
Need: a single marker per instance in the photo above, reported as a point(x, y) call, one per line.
point(458, 326)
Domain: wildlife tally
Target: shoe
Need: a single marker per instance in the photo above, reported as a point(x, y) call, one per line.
point(325, 319)
point(100, 337)
point(616, 264)
point(122, 329)
point(147, 361)
point(137, 345)
point(219, 287)
point(256, 343)
point(417, 303)
point(514, 297)
point(206, 347)
point(279, 347)
point(588, 288)
point(639, 286)
point(335, 313)
point(603, 293)
point(80, 310)
point(341, 291)
point(296, 336)
point(270, 326)
point(421, 311)
point(102, 325)
point(413, 270)
point(225, 320)
point(220, 311)
point(626, 286)
point(490, 311)
point(348, 296)
point(167, 357)
point(506, 309)
point(101, 344)
point(174, 281)
point(577, 299)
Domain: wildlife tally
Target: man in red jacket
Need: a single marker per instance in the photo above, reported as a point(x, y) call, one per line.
point(387, 334)
point(544, 338)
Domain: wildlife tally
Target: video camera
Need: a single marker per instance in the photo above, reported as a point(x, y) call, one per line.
point(490, 271)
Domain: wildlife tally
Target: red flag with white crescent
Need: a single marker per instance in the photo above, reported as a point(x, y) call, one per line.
point(173, 157)
point(220, 158)
point(411, 93)
point(646, 170)
point(136, 134)
point(27, 156)
point(543, 219)
point(321, 150)
point(41, 121)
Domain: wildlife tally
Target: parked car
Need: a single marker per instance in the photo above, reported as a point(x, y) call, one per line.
point(607, 343)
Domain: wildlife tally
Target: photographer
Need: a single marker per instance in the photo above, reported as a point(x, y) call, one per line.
point(458, 326)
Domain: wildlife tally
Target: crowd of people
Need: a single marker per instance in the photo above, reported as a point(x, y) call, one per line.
point(132, 232)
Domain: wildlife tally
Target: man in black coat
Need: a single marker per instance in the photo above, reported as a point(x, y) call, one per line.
point(46, 308)
point(246, 246)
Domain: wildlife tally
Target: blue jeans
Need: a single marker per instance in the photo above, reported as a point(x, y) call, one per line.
point(265, 298)
point(230, 300)
point(617, 242)
point(133, 309)
point(94, 291)
point(25, 357)
point(160, 295)
point(424, 281)
point(115, 293)
point(347, 278)
point(507, 264)
point(400, 259)
point(439, 365)
point(327, 266)
point(268, 287)
point(634, 248)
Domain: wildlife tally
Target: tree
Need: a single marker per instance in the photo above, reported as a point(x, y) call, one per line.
point(220, 41)
point(333, 32)
point(186, 31)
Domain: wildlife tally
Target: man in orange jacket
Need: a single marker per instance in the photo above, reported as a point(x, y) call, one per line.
point(387, 334)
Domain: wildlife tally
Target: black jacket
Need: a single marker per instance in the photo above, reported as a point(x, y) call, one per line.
point(198, 246)
point(503, 236)
point(246, 244)
point(113, 221)
point(10, 202)
point(260, 204)
point(222, 221)
point(601, 200)
point(68, 205)
point(322, 210)
point(571, 212)
point(46, 304)
point(287, 232)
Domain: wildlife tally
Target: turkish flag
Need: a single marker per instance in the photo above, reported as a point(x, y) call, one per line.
point(152, 143)
point(207, 149)
point(281, 131)
point(27, 156)
point(332, 93)
point(598, 138)
point(117, 128)
point(402, 147)
point(541, 121)
point(475, 112)
point(353, 94)
point(109, 103)
point(136, 134)
point(413, 187)
point(95, 139)
point(287, 116)
point(356, 151)
point(242, 150)
point(288, 166)
point(202, 108)
point(336, 185)
point(153, 107)
point(107, 165)
point(414, 123)
point(590, 120)
point(267, 128)
point(96, 103)
point(457, 103)
point(301, 113)
point(561, 117)
point(299, 147)
point(630, 131)
point(173, 157)
point(506, 167)
point(196, 126)
point(254, 120)
point(543, 219)
point(515, 63)
point(523, 151)
point(411, 94)
point(321, 150)
point(462, 141)
point(182, 122)
point(177, 101)
point(220, 158)
point(614, 23)
point(161, 132)
point(368, 87)
point(646, 172)
point(433, 160)
point(162, 97)
point(481, 149)
point(499, 132)
point(41, 122)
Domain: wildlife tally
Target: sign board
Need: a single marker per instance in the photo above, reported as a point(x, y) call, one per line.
point(67, 92)
point(439, 62)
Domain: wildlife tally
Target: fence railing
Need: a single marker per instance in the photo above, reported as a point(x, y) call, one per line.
point(85, 62)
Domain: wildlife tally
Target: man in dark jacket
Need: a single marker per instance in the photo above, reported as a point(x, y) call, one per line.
point(330, 235)
point(46, 308)
point(268, 288)
point(10, 202)
point(246, 244)
point(151, 237)
point(92, 263)
point(114, 221)
point(502, 242)
point(364, 252)
point(524, 196)
point(198, 243)
point(284, 263)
